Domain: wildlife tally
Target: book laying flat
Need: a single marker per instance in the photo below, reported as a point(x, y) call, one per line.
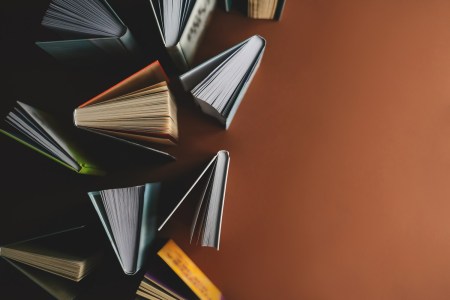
point(219, 84)
point(92, 29)
point(138, 110)
point(38, 130)
point(57, 262)
point(261, 9)
point(128, 217)
point(207, 222)
point(172, 275)
point(181, 24)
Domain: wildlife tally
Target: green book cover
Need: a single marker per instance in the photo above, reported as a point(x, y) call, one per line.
point(38, 131)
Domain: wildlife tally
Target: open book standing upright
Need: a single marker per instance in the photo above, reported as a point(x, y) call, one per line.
point(181, 24)
point(207, 222)
point(219, 84)
point(94, 31)
point(128, 216)
point(38, 131)
point(57, 262)
point(138, 110)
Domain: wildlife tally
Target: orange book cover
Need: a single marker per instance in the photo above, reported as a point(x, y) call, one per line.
point(153, 73)
point(188, 271)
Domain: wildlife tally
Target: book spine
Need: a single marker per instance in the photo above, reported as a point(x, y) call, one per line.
point(195, 27)
point(148, 221)
point(279, 10)
point(178, 58)
point(129, 43)
point(91, 170)
point(222, 154)
point(244, 87)
point(36, 149)
point(210, 111)
point(228, 4)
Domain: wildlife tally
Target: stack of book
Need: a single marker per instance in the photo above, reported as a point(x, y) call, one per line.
point(140, 110)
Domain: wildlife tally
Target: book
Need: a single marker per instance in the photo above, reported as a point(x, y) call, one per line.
point(57, 262)
point(91, 30)
point(172, 275)
point(128, 216)
point(138, 110)
point(182, 24)
point(40, 132)
point(219, 84)
point(207, 222)
point(261, 9)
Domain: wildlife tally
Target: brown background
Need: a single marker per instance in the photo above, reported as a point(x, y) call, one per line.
point(340, 152)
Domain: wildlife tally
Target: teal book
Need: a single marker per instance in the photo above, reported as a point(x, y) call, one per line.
point(128, 216)
point(91, 30)
point(40, 132)
point(219, 84)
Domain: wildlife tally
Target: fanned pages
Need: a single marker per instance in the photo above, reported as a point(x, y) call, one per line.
point(207, 222)
point(58, 287)
point(219, 84)
point(260, 9)
point(181, 24)
point(172, 275)
point(98, 30)
point(40, 132)
point(57, 262)
point(265, 9)
point(138, 109)
point(128, 217)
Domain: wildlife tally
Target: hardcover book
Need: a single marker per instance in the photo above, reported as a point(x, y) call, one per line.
point(181, 24)
point(219, 84)
point(207, 222)
point(172, 275)
point(138, 110)
point(261, 9)
point(128, 216)
point(57, 262)
point(40, 132)
point(92, 31)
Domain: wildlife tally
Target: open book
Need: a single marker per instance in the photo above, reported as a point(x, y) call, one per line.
point(172, 275)
point(181, 24)
point(38, 130)
point(138, 109)
point(207, 222)
point(92, 29)
point(128, 217)
point(219, 84)
point(57, 262)
point(261, 9)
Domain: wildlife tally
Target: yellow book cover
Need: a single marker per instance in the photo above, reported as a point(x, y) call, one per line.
point(191, 275)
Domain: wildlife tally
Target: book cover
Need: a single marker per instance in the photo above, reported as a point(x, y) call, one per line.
point(195, 78)
point(92, 32)
point(42, 133)
point(173, 275)
point(128, 216)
